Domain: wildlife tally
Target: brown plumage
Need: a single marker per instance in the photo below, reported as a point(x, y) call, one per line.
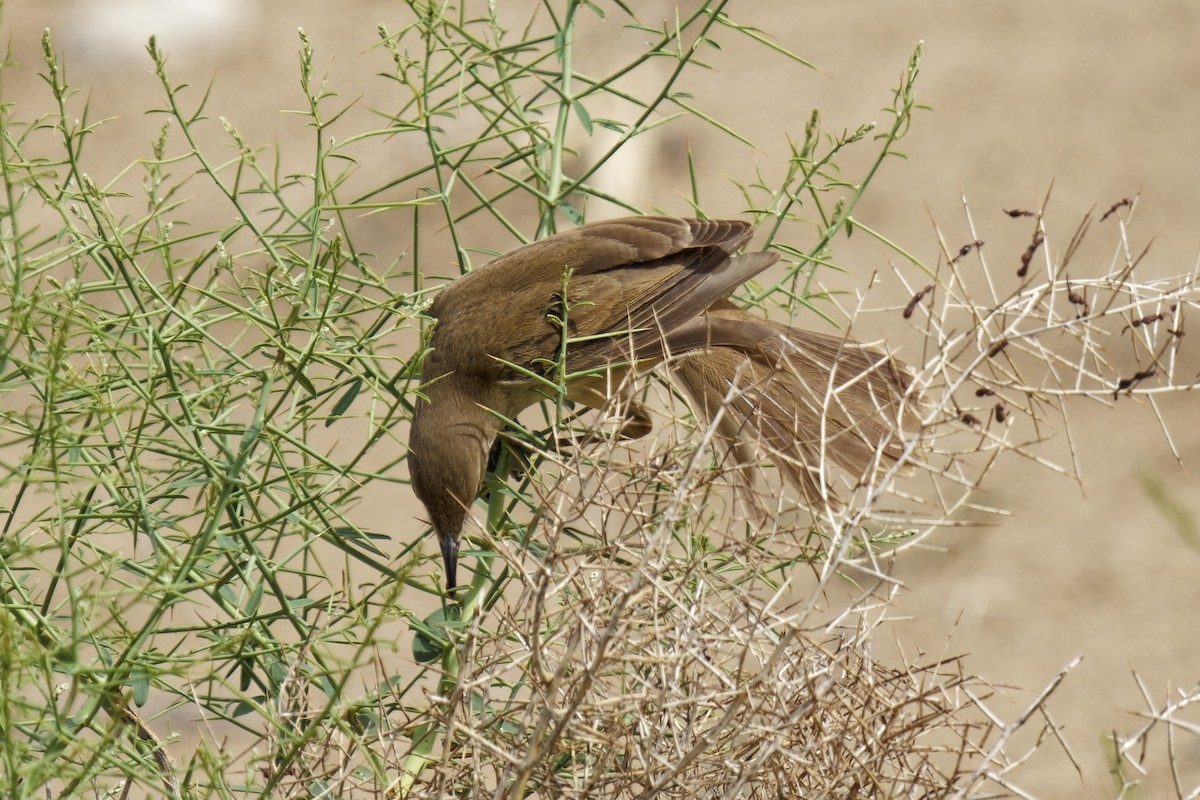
point(641, 289)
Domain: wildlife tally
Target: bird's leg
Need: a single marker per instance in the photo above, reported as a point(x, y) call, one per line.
point(635, 423)
point(518, 450)
point(635, 420)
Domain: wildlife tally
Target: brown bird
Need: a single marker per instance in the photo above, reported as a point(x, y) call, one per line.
point(640, 290)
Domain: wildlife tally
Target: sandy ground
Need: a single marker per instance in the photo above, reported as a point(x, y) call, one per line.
point(1098, 96)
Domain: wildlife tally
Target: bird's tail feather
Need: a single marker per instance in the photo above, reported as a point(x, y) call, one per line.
point(807, 401)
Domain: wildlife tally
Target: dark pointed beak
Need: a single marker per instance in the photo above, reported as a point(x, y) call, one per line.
point(449, 545)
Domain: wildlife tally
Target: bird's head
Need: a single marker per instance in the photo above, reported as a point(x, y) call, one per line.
point(449, 442)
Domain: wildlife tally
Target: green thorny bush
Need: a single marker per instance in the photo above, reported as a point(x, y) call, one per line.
point(196, 417)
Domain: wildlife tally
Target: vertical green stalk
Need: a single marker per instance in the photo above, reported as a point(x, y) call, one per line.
point(14, 253)
point(564, 42)
point(309, 289)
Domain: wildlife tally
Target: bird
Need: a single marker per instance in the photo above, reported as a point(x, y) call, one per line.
point(626, 294)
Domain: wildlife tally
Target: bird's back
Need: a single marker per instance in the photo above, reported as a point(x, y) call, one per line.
point(617, 285)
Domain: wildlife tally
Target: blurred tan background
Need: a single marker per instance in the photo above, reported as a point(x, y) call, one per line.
point(1099, 97)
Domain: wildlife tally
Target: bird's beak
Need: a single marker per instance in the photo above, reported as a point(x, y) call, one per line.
point(449, 559)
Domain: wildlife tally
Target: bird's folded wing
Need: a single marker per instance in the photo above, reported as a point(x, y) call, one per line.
point(640, 305)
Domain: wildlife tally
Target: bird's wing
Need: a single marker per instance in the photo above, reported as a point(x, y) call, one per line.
point(632, 280)
point(611, 244)
point(628, 241)
point(627, 313)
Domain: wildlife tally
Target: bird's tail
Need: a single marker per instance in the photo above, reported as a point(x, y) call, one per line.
point(809, 402)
